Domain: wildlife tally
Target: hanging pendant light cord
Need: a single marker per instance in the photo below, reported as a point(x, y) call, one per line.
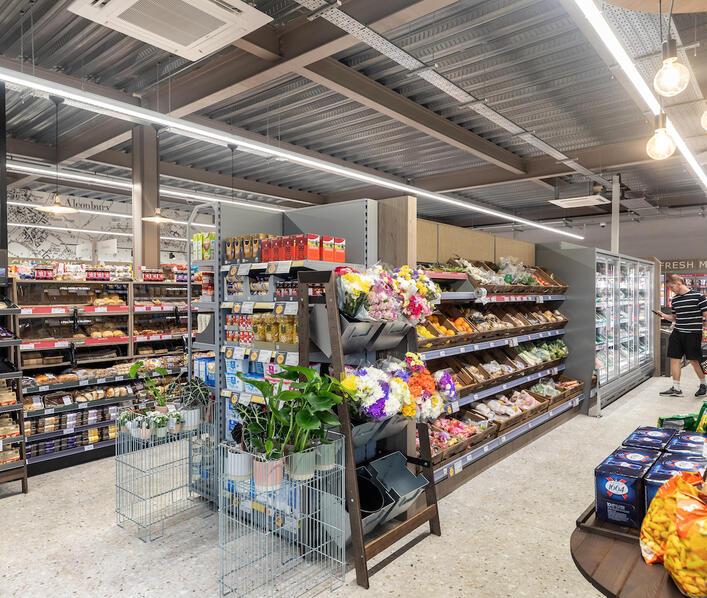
point(56, 144)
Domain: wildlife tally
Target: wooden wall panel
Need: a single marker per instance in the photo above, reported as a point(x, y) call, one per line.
point(427, 239)
point(464, 242)
point(397, 231)
point(506, 247)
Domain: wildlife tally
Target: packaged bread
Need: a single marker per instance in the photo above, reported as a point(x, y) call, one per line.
point(42, 379)
point(69, 377)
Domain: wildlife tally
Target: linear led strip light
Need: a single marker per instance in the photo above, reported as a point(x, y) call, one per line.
point(24, 204)
point(88, 231)
point(136, 114)
point(608, 37)
point(116, 183)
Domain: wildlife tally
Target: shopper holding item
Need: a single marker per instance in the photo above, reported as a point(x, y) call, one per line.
point(689, 314)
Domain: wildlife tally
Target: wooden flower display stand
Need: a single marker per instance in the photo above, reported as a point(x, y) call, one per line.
point(365, 546)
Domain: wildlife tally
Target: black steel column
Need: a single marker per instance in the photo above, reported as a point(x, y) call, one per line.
point(3, 182)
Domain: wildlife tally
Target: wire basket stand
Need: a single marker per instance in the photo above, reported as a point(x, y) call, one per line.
point(282, 526)
point(158, 477)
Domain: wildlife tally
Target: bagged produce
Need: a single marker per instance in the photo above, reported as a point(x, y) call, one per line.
point(702, 419)
point(687, 422)
point(659, 521)
point(686, 548)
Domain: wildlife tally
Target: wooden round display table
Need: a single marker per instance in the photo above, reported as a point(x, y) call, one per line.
point(610, 559)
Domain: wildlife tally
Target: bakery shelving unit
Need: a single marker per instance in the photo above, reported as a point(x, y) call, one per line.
point(462, 292)
point(13, 465)
point(57, 318)
point(612, 330)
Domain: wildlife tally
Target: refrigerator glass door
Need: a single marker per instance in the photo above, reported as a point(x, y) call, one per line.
point(603, 323)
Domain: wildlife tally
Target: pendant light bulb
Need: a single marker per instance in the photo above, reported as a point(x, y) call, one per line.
point(661, 145)
point(158, 218)
point(56, 207)
point(672, 78)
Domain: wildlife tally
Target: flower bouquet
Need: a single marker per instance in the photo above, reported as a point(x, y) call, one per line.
point(369, 388)
point(417, 293)
point(353, 287)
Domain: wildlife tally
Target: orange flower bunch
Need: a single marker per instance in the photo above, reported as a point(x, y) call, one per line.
point(421, 384)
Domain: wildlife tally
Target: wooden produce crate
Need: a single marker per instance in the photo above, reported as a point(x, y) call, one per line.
point(487, 434)
point(558, 287)
point(451, 451)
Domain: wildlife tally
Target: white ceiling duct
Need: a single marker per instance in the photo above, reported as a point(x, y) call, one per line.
point(192, 29)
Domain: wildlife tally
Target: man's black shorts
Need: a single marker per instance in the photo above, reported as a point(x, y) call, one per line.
point(687, 344)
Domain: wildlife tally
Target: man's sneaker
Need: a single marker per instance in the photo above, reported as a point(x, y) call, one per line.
point(701, 391)
point(671, 392)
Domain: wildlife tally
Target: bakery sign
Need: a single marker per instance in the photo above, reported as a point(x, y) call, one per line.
point(684, 265)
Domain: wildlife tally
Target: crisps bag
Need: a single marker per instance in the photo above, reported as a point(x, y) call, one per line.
point(659, 521)
point(686, 549)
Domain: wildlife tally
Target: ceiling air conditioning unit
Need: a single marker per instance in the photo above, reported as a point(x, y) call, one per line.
point(580, 195)
point(191, 29)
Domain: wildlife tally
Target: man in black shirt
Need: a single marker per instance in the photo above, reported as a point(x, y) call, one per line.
point(689, 314)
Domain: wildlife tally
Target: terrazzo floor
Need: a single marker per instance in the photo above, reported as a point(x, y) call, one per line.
point(504, 533)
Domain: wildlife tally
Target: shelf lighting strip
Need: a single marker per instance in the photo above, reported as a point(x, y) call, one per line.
point(99, 104)
point(604, 31)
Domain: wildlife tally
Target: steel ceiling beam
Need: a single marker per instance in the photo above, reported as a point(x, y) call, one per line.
point(599, 157)
point(44, 153)
point(348, 82)
point(237, 72)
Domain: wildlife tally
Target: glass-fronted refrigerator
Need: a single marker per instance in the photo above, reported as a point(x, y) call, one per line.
point(610, 333)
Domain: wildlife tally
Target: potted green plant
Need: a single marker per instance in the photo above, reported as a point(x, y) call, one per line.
point(145, 428)
point(125, 417)
point(159, 424)
point(195, 397)
point(295, 421)
point(136, 426)
point(175, 422)
point(153, 389)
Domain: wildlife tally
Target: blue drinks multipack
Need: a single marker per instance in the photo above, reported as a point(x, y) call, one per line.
point(648, 437)
point(618, 483)
point(687, 443)
point(669, 465)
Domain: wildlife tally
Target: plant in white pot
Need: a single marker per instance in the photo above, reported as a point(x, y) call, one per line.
point(145, 427)
point(195, 397)
point(174, 424)
point(136, 425)
point(296, 418)
point(125, 418)
point(159, 424)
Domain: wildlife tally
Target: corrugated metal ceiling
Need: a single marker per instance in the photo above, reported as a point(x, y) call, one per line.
point(525, 57)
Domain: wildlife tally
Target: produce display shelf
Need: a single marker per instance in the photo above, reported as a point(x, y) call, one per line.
point(10, 342)
point(78, 406)
point(283, 267)
point(489, 392)
point(11, 440)
point(93, 382)
point(498, 298)
point(77, 342)
point(73, 451)
point(490, 344)
point(437, 275)
point(455, 467)
point(69, 431)
point(10, 408)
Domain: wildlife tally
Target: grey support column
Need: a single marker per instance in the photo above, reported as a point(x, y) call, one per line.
point(146, 198)
point(615, 211)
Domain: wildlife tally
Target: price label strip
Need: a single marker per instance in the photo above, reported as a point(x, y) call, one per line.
point(243, 269)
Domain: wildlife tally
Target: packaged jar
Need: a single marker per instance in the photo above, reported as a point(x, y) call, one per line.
point(271, 333)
